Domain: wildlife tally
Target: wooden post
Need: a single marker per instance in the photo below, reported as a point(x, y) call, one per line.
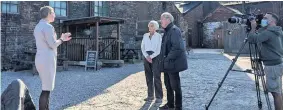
point(67, 28)
point(118, 37)
point(66, 45)
point(97, 35)
point(243, 7)
point(76, 31)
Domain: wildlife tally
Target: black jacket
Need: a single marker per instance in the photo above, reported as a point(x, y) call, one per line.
point(173, 56)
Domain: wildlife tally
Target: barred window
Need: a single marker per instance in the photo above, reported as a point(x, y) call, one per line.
point(101, 8)
point(9, 7)
point(60, 7)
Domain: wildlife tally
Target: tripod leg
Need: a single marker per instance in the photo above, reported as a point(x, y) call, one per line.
point(259, 102)
point(254, 65)
point(230, 68)
point(261, 76)
point(265, 89)
point(266, 93)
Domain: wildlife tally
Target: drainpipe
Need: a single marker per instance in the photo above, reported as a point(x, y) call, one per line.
point(5, 32)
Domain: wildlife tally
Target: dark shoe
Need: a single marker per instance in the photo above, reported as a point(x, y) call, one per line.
point(148, 99)
point(166, 107)
point(178, 108)
point(158, 100)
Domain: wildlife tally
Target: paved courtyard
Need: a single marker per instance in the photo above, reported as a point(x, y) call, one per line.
point(125, 88)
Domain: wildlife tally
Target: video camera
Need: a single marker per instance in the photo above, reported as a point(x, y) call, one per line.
point(246, 19)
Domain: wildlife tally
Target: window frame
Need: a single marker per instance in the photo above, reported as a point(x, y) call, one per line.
point(60, 8)
point(102, 7)
point(9, 3)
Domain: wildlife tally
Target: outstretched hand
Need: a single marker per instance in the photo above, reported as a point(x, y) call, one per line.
point(66, 36)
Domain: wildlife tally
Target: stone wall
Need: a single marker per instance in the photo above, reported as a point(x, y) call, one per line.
point(189, 21)
point(17, 29)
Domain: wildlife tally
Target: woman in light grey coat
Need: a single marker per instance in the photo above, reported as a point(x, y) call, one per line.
point(46, 55)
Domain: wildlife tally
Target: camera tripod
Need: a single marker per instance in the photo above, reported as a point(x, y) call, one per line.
point(257, 70)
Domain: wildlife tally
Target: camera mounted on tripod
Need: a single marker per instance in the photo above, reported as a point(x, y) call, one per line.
point(254, 53)
point(246, 20)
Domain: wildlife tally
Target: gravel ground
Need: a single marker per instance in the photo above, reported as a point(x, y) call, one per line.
point(125, 88)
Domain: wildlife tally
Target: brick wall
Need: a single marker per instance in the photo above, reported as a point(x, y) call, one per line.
point(189, 21)
point(19, 27)
point(213, 30)
point(17, 31)
point(137, 11)
point(131, 12)
point(220, 14)
point(78, 9)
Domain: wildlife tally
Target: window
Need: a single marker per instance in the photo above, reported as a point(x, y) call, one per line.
point(9, 7)
point(101, 8)
point(60, 7)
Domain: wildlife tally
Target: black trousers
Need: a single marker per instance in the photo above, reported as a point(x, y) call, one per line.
point(44, 100)
point(173, 84)
point(153, 78)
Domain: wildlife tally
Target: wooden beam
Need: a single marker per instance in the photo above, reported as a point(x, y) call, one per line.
point(112, 61)
point(118, 39)
point(93, 21)
point(108, 23)
point(102, 24)
point(72, 22)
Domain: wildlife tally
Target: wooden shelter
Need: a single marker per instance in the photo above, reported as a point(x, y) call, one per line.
point(86, 37)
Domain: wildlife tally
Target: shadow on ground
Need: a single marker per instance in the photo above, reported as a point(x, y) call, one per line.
point(74, 86)
point(150, 106)
point(201, 80)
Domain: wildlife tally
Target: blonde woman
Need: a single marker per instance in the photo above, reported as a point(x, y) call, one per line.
point(150, 47)
point(46, 55)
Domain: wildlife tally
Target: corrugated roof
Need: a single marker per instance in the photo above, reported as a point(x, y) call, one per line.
point(225, 3)
point(185, 7)
point(235, 11)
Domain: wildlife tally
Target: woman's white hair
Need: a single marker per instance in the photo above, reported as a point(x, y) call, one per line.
point(168, 16)
point(155, 24)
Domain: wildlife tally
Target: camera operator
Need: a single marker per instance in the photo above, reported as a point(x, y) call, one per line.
point(270, 35)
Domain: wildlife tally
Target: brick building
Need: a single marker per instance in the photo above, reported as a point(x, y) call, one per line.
point(213, 27)
point(219, 37)
point(18, 20)
point(261, 7)
point(193, 12)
